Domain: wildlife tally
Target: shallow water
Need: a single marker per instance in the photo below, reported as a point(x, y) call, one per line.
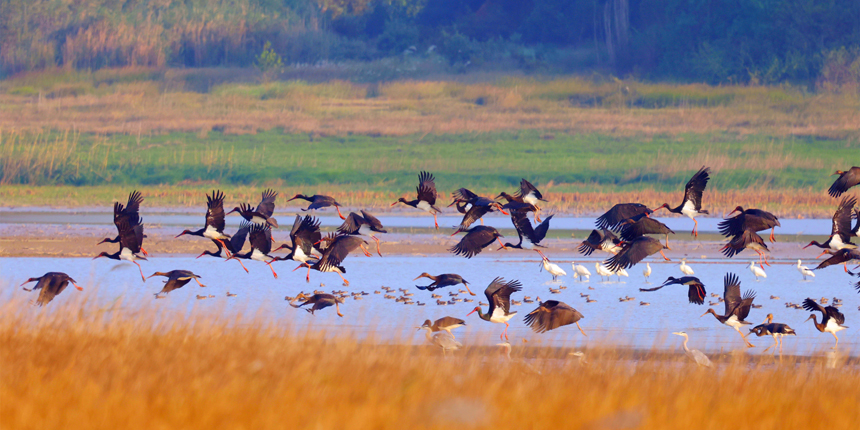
point(607, 321)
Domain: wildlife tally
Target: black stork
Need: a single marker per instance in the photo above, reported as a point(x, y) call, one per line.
point(304, 237)
point(747, 240)
point(777, 330)
point(426, 199)
point(263, 213)
point(130, 244)
point(831, 318)
point(527, 198)
point(337, 249)
point(476, 239)
point(214, 226)
point(553, 314)
point(318, 202)
point(600, 240)
point(319, 301)
point(443, 324)
point(442, 281)
point(232, 246)
point(754, 220)
point(737, 306)
point(176, 279)
point(530, 238)
point(612, 219)
point(691, 206)
point(840, 231)
point(696, 289)
point(130, 213)
point(499, 297)
point(847, 179)
point(51, 284)
point(641, 225)
point(260, 238)
point(516, 204)
point(475, 207)
point(362, 225)
point(843, 256)
point(633, 252)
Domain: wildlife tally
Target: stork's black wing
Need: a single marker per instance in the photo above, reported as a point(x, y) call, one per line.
point(267, 204)
point(696, 186)
point(426, 188)
point(215, 210)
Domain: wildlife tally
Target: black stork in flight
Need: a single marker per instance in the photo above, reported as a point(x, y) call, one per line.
point(319, 301)
point(214, 226)
point(612, 219)
point(474, 207)
point(51, 284)
point(362, 225)
point(318, 202)
point(426, 200)
point(843, 256)
point(737, 306)
point(336, 250)
point(691, 206)
point(747, 239)
point(847, 179)
point(499, 297)
point(754, 220)
point(129, 213)
point(641, 225)
point(260, 238)
point(442, 281)
point(130, 244)
point(696, 289)
point(600, 240)
point(263, 213)
point(476, 239)
point(553, 314)
point(230, 247)
point(840, 232)
point(530, 238)
point(831, 319)
point(176, 279)
point(528, 195)
point(304, 238)
point(633, 252)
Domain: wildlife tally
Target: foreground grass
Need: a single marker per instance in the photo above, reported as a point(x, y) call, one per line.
point(108, 368)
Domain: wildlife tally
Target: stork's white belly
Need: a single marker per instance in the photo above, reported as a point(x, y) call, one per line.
point(689, 209)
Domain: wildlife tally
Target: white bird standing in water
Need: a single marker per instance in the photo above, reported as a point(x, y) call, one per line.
point(685, 269)
point(602, 270)
point(757, 271)
point(581, 271)
point(804, 271)
point(700, 358)
point(620, 273)
point(647, 272)
point(553, 269)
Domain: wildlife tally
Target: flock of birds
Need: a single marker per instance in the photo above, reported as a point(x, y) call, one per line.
point(622, 232)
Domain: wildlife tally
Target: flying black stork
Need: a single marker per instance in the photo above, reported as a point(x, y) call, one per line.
point(691, 206)
point(337, 249)
point(777, 330)
point(696, 291)
point(475, 207)
point(476, 239)
point(527, 198)
point(633, 252)
point(516, 204)
point(633, 228)
point(442, 281)
point(176, 279)
point(260, 238)
point(130, 244)
point(304, 237)
point(600, 240)
point(214, 226)
point(840, 231)
point(831, 318)
point(747, 240)
point(362, 225)
point(843, 256)
point(443, 324)
point(230, 247)
point(553, 314)
point(612, 219)
point(319, 301)
point(426, 199)
point(847, 179)
point(530, 238)
point(130, 213)
point(264, 211)
point(737, 306)
point(754, 220)
point(499, 297)
point(51, 284)
point(318, 202)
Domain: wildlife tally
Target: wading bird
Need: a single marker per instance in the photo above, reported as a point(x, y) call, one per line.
point(442, 281)
point(754, 220)
point(304, 237)
point(600, 240)
point(805, 271)
point(530, 194)
point(647, 272)
point(263, 213)
point(777, 330)
point(635, 251)
point(444, 340)
point(847, 179)
point(214, 226)
point(129, 213)
point(757, 271)
point(843, 256)
point(234, 245)
point(747, 240)
point(318, 202)
point(633, 228)
point(130, 242)
point(552, 268)
point(840, 232)
point(444, 324)
point(685, 269)
point(475, 207)
point(176, 279)
point(691, 206)
point(737, 307)
point(260, 238)
point(319, 301)
point(334, 253)
point(696, 289)
point(426, 199)
point(51, 284)
point(694, 354)
point(831, 318)
point(362, 225)
point(553, 314)
point(580, 271)
point(529, 237)
point(602, 271)
point(612, 219)
point(477, 238)
point(499, 296)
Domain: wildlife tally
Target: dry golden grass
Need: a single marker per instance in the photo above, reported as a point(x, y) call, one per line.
point(111, 368)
